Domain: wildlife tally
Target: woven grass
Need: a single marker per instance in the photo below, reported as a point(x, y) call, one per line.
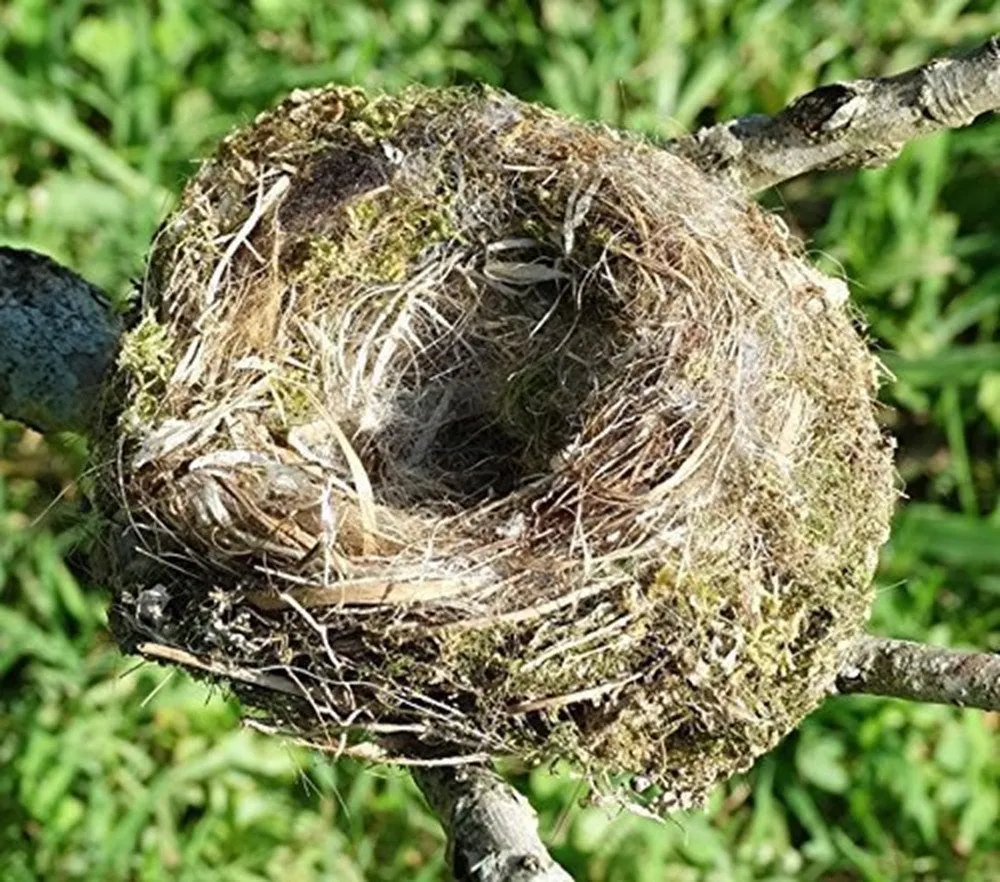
point(458, 428)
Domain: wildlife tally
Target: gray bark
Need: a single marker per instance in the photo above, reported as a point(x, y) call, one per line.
point(918, 672)
point(857, 124)
point(492, 829)
point(58, 337)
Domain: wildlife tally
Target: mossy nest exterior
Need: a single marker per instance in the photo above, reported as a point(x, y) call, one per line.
point(456, 427)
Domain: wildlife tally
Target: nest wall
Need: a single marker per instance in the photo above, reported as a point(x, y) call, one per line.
point(455, 427)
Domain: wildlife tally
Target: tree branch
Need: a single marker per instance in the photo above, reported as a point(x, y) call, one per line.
point(492, 830)
point(857, 124)
point(58, 337)
point(918, 672)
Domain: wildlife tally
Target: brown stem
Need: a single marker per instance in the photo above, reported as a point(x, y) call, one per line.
point(492, 830)
point(918, 672)
point(857, 124)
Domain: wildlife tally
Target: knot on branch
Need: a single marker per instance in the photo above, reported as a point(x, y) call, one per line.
point(862, 123)
point(827, 111)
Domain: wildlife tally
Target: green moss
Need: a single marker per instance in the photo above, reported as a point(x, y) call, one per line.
point(294, 400)
point(384, 233)
point(146, 359)
point(481, 654)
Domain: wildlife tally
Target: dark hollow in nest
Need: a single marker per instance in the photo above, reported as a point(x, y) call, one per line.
point(456, 427)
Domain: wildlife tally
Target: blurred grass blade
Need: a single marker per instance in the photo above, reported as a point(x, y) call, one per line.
point(960, 365)
point(941, 535)
point(55, 122)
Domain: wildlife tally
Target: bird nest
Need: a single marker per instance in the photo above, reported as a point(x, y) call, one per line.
point(453, 427)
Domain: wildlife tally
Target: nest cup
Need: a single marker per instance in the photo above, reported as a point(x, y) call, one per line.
point(453, 427)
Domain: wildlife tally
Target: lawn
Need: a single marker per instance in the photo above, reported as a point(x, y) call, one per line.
point(115, 770)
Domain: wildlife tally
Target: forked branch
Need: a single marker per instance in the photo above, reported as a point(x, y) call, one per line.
point(857, 124)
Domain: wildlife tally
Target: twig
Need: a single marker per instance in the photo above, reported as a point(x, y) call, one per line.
point(175, 656)
point(492, 830)
point(918, 672)
point(579, 696)
point(857, 124)
point(361, 592)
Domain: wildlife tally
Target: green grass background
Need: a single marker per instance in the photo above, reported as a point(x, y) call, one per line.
point(113, 771)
